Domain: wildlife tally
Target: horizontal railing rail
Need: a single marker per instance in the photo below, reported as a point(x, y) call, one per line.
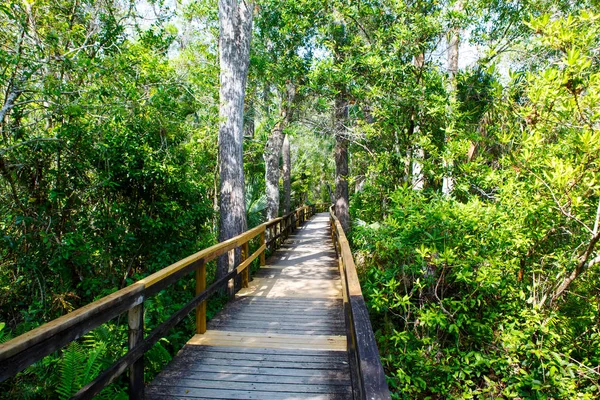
point(279, 229)
point(368, 376)
point(24, 350)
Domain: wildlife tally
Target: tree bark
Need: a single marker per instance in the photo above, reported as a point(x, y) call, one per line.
point(234, 44)
point(287, 175)
point(271, 156)
point(273, 150)
point(453, 46)
point(417, 154)
point(342, 211)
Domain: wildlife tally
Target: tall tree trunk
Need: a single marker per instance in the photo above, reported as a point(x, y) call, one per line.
point(453, 46)
point(273, 150)
point(341, 161)
point(271, 156)
point(417, 154)
point(287, 175)
point(234, 45)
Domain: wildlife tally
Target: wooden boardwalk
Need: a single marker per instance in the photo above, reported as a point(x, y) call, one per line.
point(284, 337)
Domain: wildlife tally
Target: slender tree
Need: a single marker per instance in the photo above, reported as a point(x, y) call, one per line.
point(286, 170)
point(453, 48)
point(235, 20)
point(342, 209)
point(273, 151)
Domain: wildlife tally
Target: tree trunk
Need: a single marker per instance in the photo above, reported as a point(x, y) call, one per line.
point(341, 162)
point(234, 45)
point(417, 154)
point(273, 150)
point(287, 175)
point(453, 45)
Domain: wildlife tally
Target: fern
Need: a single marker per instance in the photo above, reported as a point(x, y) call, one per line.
point(79, 366)
point(70, 364)
point(4, 336)
point(93, 366)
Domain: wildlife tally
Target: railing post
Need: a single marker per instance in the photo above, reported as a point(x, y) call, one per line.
point(136, 335)
point(297, 213)
point(246, 271)
point(201, 309)
point(262, 243)
point(231, 282)
point(333, 237)
point(278, 232)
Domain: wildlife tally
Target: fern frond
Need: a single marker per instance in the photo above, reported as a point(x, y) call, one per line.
point(70, 364)
point(93, 366)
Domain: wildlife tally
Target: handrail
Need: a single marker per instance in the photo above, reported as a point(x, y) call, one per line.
point(24, 350)
point(368, 376)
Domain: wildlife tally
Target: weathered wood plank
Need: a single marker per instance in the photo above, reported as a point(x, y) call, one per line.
point(280, 361)
point(317, 353)
point(337, 326)
point(333, 380)
point(210, 352)
point(259, 370)
point(274, 387)
point(162, 392)
point(271, 340)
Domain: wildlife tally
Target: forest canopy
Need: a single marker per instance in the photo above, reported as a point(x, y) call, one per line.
point(458, 142)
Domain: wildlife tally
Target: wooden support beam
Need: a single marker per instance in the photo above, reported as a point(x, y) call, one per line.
point(201, 309)
point(263, 246)
point(136, 336)
point(231, 282)
point(246, 270)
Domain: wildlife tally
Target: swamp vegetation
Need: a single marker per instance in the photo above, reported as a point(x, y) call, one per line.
point(458, 142)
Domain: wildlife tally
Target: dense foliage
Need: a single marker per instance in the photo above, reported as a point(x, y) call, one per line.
point(493, 291)
point(488, 289)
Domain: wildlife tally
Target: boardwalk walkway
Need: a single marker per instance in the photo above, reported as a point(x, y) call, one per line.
point(281, 338)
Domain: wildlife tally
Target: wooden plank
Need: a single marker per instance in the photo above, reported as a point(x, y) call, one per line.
point(339, 323)
point(263, 245)
point(291, 338)
point(249, 260)
point(273, 387)
point(271, 340)
point(340, 361)
point(263, 371)
point(238, 350)
point(162, 392)
point(275, 345)
point(136, 336)
point(201, 309)
point(245, 271)
point(341, 380)
point(216, 352)
point(312, 311)
point(280, 313)
point(248, 299)
point(296, 330)
point(268, 364)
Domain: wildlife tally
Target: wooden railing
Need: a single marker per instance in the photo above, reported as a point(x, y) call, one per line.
point(22, 351)
point(368, 377)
